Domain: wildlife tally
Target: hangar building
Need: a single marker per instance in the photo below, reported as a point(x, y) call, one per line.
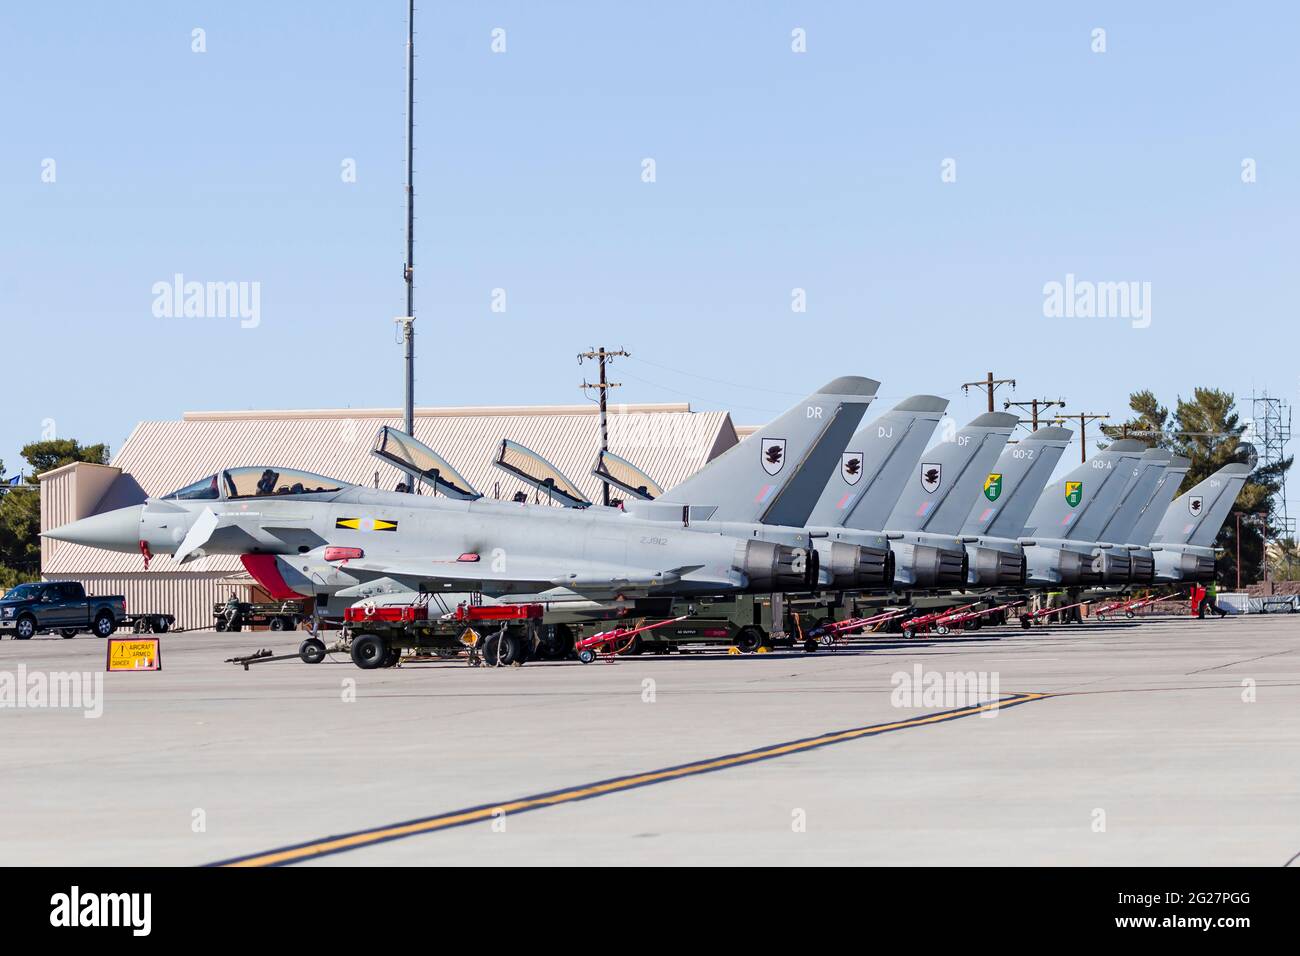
point(668, 440)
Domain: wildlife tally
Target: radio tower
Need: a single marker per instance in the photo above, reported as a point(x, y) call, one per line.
point(1271, 431)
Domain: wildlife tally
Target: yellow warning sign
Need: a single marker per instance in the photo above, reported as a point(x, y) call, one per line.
point(134, 654)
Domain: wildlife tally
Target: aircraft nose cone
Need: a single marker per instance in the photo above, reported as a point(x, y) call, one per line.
point(113, 530)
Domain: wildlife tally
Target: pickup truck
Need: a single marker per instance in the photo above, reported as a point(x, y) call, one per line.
point(61, 606)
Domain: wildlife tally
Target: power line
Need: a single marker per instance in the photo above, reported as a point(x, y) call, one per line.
point(990, 385)
point(604, 357)
point(1035, 405)
point(1083, 419)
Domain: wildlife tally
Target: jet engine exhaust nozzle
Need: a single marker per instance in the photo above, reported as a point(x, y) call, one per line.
point(777, 567)
point(997, 568)
point(854, 567)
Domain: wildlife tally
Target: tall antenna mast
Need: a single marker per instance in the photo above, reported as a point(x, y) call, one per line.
point(408, 269)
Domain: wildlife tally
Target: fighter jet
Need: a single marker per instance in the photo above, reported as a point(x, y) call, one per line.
point(796, 450)
point(766, 486)
point(285, 524)
point(926, 522)
point(1060, 535)
point(1186, 535)
point(874, 467)
point(992, 529)
point(1118, 528)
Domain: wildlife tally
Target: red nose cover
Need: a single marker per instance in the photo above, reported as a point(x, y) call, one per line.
point(266, 572)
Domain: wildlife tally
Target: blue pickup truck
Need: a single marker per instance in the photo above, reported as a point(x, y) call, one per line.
point(62, 606)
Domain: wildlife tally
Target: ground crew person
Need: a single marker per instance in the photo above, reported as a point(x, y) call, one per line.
point(1208, 601)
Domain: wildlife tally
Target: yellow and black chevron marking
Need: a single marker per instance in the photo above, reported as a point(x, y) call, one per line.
point(354, 524)
point(457, 818)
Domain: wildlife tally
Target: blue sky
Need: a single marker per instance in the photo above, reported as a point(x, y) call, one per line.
point(774, 171)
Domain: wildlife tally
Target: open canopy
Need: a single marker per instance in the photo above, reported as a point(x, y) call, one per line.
point(532, 468)
point(625, 476)
point(409, 454)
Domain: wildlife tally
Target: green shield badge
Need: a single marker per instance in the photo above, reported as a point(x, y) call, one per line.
point(1073, 492)
point(993, 487)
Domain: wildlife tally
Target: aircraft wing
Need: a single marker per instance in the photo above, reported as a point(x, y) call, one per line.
point(517, 574)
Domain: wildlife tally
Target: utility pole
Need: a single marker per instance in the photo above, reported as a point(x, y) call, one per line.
point(1082, 418)
point(407, 322)
point(1035, 405)
point(989, 384)
point(603, 386)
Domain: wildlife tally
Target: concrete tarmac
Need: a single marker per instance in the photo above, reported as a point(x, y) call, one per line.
point(1167, 741)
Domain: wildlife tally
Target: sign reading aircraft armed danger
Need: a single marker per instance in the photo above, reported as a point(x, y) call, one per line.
point(993, 486)
point(134, 654)
point(773, 454)
point(1194, 505)
point(851, 467)
point(931, 476)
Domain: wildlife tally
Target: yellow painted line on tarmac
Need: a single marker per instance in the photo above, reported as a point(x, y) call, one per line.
point(362, 838)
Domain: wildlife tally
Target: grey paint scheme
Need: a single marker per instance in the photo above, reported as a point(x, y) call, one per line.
point(964, 462)
point(1184, 543)
point(598, 552)
point(1218, 493)
point(1053, 517)
point(1025, 468)
point(736, 486)
point(1150, 468)
point(891, 447)
point(1154, 511)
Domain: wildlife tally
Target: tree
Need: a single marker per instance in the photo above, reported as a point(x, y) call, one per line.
point(1207, 430)
point(20, 507)
point(1284, 559)
point(1150, 421)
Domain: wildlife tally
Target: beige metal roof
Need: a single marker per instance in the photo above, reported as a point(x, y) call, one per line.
point(670, 442)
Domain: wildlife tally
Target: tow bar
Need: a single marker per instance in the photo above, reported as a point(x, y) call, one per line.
point(607, 644)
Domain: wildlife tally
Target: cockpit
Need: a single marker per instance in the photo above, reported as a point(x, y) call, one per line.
point(256, 482)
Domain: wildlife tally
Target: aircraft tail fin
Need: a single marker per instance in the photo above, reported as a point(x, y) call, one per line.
point(1150, 468)
point(1083, 499)
point(1196, 516)
point(1155, 508)
point(876, 464)
point(950, 476)
point(1018, 478)
point(775, 475)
